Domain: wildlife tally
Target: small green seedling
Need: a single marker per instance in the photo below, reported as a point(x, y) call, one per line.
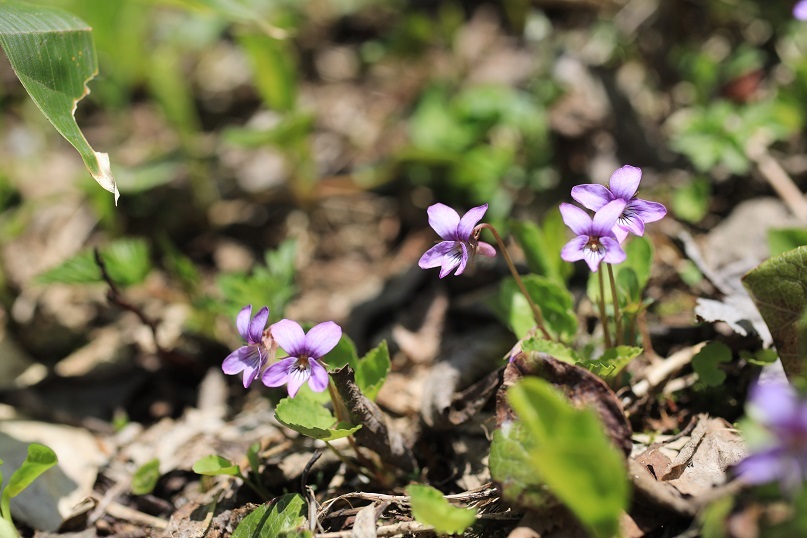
point(217, 465)
point(40, 458)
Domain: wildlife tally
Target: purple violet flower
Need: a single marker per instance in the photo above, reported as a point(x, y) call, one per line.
point(623, 186)
point(458, 245)
point(778, 408)
point(305, 352)
point(800, 10)
point(595, 241)
point(251, 357)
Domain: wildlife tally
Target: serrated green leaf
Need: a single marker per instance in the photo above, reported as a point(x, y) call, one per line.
point(612, 362)
point(430, 507)
point(343, 354)
point(706, 363)
point(280, 520)
point(555, 302)
point(127, 262)
point(572, 455)
point(145, 477)
point(80, 269)
point(373, 369)
point(214, 465)
point(778, 288)
point(52, 53)
point(40, 458)
point(312, 419)
point(555, 349)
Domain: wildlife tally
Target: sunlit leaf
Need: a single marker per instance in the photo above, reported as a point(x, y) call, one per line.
point(554, 300)
point(372, 370)
point(430, 507)
point(40, 458)
point(127, 262)
point(312, 419)
point(146, 477)
point(555, 349)
point(510, 466)
point(612, 362)
point(572, 455)
point(281, 519)
point(542, 246)
point(52, 53)
point(214, 465)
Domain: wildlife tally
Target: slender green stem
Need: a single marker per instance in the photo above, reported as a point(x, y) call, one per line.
point(255, 486)
point(344, 460)
point(617, 314)
point(536, 310)
point(603, 317)
point(5, 507)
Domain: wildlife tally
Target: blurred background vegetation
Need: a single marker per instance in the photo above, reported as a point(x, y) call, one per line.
point(228, 119)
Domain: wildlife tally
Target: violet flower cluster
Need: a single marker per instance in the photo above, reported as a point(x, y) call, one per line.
point(617, 213)
point(459, 244)
point(305, 351)
point(779, 409)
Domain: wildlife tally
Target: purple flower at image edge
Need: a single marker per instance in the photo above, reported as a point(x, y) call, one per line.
point(305, 352)
point(458, 245)
point(622, 186)
point(800, 10)
point(778, 408)
point(251, 357)
point(595, 241)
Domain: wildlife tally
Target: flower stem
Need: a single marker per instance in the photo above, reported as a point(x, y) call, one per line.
point(603, 317)
point(255, 486)
point(617, 315)
point(536, 310)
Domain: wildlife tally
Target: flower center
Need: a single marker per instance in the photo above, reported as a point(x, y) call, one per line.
point(302, 363)
point(594, 245)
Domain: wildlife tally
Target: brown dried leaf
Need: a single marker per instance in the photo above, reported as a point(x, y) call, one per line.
point(583, 388)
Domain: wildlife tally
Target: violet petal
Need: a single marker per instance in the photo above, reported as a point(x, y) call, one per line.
point(613, 251)
point(625, 182)
point(800, 10)
point(289, 336)
point(775, 404)
point(762, 467)
point(648, 211)
point(434, 256)
point(296, 379)
point(464, 259)
point(452, 259)
point(257, 325)
point(631, 223)
point(573, 250)
point(233, 363)
point(278, 373)
point(469, 221)
point(322, 338)
point(592, 196)
point(605, 219)
point(319, 376)
point(485, 249)
point(444, 221)
point(576, 219)
point(242, 321)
